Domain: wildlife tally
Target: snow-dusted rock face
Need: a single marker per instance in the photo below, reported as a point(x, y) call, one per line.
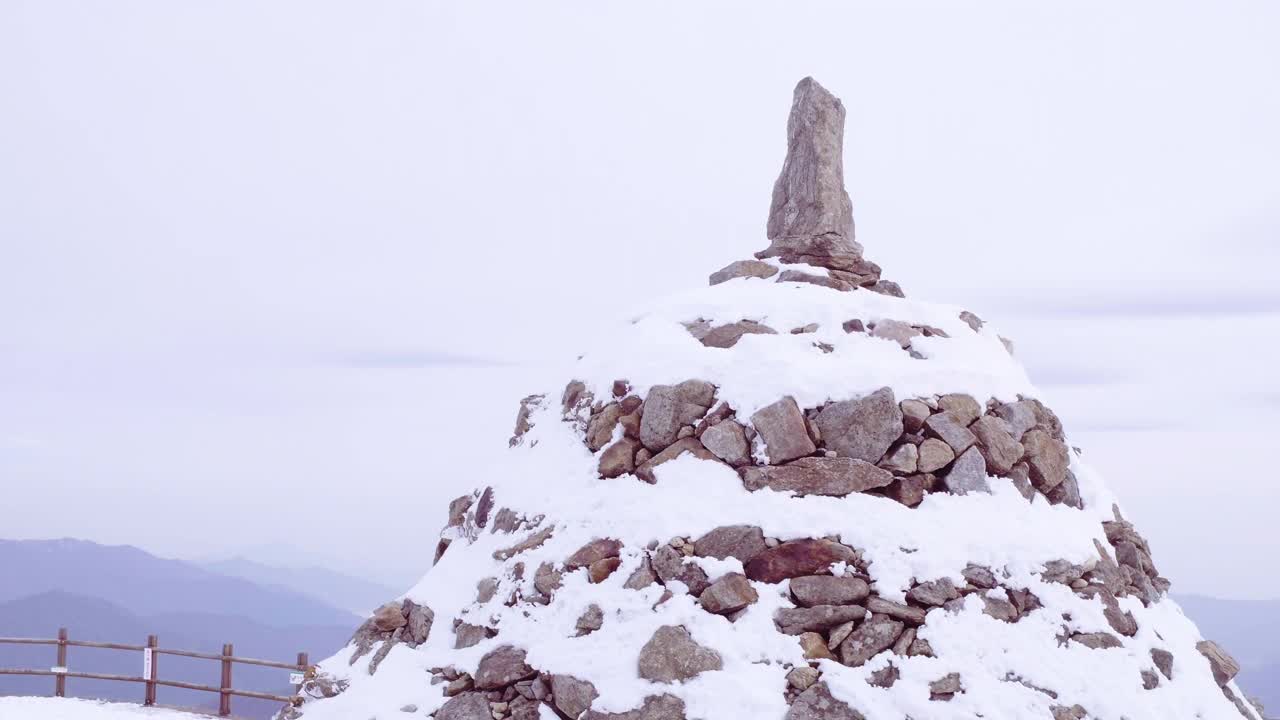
point(792, 494)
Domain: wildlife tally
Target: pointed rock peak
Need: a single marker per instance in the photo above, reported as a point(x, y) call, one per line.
point(811, 218)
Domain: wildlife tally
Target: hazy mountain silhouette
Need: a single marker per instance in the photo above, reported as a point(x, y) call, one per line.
point(89, 618)
point(1250, 631)
point(147, 585)
point(357, 595)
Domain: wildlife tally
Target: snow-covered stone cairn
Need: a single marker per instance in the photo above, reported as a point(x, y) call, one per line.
point(793, 494)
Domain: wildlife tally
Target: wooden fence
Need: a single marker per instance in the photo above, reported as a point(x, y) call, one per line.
point(150, 677)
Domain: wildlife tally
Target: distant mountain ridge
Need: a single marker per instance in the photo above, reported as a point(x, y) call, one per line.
point(131, 578)
point(357, 595)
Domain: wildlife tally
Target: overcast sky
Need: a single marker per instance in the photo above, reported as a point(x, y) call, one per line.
point(274, 275)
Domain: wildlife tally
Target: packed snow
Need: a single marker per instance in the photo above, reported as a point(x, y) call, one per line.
point(552, 473)
point(46, 708)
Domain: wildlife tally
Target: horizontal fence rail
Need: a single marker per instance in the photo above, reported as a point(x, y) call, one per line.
point(151, 653)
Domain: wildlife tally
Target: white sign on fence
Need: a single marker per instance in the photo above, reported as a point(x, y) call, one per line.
point(295, 678)
point(59, 670)
point(146, 663)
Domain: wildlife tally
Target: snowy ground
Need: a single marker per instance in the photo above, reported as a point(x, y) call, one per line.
point(45, 708)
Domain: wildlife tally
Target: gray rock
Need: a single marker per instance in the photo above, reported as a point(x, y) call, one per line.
point(910, 490)
point(796, 558)
point(730, 593)
point(934, 592)
point(914, 413)
point(1121, 621)
point(671, 655)
point(933, 455)
point(1097, 640)
point(743, 268)
point(802, 678)
point(870, 639)
point(962, 407)
point(1224, 666)
point(1150, 680)
point(501, 667)
point(839, 633)
point(897, 331)
point(979, 576)
point(728, 441)
point(466, 635)
point(811, 590)
point(743, 542)
point(1020, 476)
point(996, 442)
point(1163, 660)
point(670, 566)
point(946, 427)
point(527, 406)
point(1047, 459)
point(1020, 415)
point(572, 696)
point(522, 708)
point(833, 477)
point(999, 608)
point(467, 706)
point(390, 617)
point(684, 445)
point(813, 279)
point(782, 428)
point(418, 622)
point(903, 460)
point(968, 474)
point(886, 676)
point(642, 577)
point(853, 325)
point(795, 621)
point(547, 579)
point(817, 703)
point(814, 647)
point(861, 429)
point(888, 287)
point(944, 687)
point(670, 407)
point(726, 336)
point(1067, 493)
point(895, 610)
point(973, 321)
point(811, 215)
point(655, 707)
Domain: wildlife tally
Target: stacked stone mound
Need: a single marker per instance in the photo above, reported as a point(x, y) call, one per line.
point(826, 599)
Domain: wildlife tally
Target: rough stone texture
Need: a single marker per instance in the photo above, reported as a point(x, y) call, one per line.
point(728, 594)
point(743, 268)
point(679, 447)
point(967, 474)
point(802, 678)
point(934, 454)
point(816, 703)
point(590, 620)
point(597, 549)
point(642, 577)
point(979, 576)
point(600, 570)
point(914, 413)
point(418, 619)
point(897, 331)
point(501, 667)
point(1223, 665)
point(600, 427)
point(655, 707)
point(811, 590)
point(1067, 493)
point(1163, 660)
point(796, 558)
point(1047, 459)
point(910, 490)
point(973, 321)
point(467, 706)
point(962, 407)
point(933, 592)
point(1000, 609)
point(728, 441)
point(870, 639)
point(834, 477)
point(527, 406)
point(944, 687)
point(946, 427)
point(782, 428)
point(466, 635)
point(794, 621)
point(669, 407)
point(619, 458)
point(572, 696)
point(996, 442)
point(811, 215)
point(672, 655)
point(1097, 640)
point(862, 429)
point(814, 647)
point(670, 566)
point(903, 460)
point(895, 610)
point(726, 336)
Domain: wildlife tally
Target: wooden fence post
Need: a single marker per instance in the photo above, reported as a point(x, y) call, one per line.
point(224, 701)
point(304, 664)
point(60, 681)
point(153, 670)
